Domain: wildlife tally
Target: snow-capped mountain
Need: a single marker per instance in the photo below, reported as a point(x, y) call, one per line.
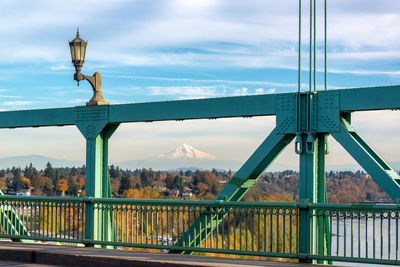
point(184, 156)
point(186, 151)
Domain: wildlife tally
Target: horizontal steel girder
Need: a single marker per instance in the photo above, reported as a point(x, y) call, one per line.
point(349, 100)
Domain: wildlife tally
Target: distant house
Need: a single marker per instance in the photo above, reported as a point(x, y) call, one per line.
point(174, 193)
point(11, 192)
point(25, 193)
point(187, 194)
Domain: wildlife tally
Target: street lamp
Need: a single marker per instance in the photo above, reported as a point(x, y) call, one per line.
point(78, 51)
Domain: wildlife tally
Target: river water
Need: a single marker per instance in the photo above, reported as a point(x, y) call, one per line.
point(366, 238)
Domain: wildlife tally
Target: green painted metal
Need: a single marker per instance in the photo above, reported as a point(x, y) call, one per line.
point(12, 223)
point(37, 118)
point(92, 122)
point(251, 170)
point(261, 227)
point(379, 170)
point(207, 226)
point(310, 116)
point(369, 98)
point(323, 227)
point(237, 186)
point(307, 193)
point(299, 53)
point(242, 106)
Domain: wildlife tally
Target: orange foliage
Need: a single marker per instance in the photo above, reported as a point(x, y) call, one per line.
point(144, 193)
point(27, 181)
point(62, 185)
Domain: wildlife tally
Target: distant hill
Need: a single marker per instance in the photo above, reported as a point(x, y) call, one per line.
point(183, 157)
point(37, 161)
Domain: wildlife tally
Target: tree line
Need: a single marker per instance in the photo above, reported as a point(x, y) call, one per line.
point(342, 187)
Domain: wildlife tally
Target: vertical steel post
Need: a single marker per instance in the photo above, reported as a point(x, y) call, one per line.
point(323, 234)
point(307, 193)
point(313, 234)
point(98, 185)
point(94, 184)
point(107, 216)
point(92, 122)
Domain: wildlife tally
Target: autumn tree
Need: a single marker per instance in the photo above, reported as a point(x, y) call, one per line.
point(206, 182)
point(74, 187)
point(144, 193)
point(3, 185)
point(42, 184)
point(62, 185)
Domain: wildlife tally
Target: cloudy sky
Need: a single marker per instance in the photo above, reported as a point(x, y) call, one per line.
point(153, 50)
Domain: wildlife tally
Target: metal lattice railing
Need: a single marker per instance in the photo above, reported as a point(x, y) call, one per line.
point(359, 233)
point(265, 229)
point(362, 233)
point(50, 218)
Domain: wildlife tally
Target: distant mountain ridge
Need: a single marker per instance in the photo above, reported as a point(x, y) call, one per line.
point(183, 157)
point(38, 161)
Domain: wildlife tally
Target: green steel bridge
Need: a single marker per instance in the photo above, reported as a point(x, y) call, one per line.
point(311, 230)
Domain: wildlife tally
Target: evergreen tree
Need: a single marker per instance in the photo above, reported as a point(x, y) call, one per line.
point(50, 172)
point(169, 181)
point(188, 173)
point(125, 183)
point(83, 170)
point(144, 178)
point(17, 174)
point(115, 172)
point(178, 183)
point(18, 184)
point(74, 171)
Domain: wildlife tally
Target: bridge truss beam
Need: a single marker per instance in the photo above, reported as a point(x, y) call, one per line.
point(348, 100)
point(310, 116)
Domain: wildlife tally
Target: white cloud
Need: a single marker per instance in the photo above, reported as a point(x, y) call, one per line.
point(61, 67)
point(186, 91)
point(227, 33)
point(191, 80)
point(260, 91)
point(9, 96)
point(17, 103)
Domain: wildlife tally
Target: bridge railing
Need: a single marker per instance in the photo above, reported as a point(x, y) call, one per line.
point(42, 218)
point(358, 233)
point(244, 228)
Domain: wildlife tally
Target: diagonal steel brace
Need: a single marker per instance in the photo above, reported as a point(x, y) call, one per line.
point(379, 170)
point(236, 188)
